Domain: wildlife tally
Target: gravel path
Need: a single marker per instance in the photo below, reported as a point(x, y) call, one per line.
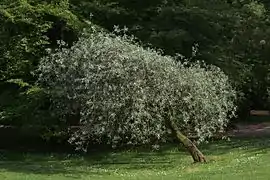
point(251, 130)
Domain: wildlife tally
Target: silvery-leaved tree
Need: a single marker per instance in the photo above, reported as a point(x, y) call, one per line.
point(127, 94)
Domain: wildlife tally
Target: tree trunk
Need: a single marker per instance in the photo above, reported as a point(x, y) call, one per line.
point(191, 147)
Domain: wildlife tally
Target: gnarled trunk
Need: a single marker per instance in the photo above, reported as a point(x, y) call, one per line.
point(191, 147)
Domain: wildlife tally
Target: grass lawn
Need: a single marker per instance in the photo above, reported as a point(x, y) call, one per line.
point(239, 159)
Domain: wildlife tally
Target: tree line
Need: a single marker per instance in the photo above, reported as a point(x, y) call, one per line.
point(192, 59)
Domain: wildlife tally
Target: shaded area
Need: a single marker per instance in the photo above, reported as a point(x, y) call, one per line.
point(252, 129)
point(105, 163)
point(247, 144)
point(80, 165)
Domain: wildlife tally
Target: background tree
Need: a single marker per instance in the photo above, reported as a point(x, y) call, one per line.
point(28, 28)
point(228, 34)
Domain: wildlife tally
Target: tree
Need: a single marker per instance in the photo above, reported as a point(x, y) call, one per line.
point(228, 33)
point(28, 27)
point(128, 95)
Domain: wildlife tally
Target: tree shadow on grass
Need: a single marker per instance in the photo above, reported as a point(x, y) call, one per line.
point(78, 165)
point(106, 162)
point(247, 144)
point(35, 164)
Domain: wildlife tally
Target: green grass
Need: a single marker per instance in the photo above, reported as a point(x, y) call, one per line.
point(238, 159)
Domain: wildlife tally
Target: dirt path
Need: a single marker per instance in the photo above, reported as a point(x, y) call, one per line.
point(251, 130)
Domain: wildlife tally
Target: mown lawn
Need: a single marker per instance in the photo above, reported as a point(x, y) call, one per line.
point(239, 159)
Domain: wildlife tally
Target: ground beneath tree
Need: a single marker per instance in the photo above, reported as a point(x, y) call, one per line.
point(251, 130)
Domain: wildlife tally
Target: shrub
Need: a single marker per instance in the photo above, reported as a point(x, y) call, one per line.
point(125, 93)
point(27, 108)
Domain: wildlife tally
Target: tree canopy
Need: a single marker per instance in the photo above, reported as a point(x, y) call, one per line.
point(127, 95)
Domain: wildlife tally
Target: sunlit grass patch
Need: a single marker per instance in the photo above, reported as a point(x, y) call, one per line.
point(234, 160)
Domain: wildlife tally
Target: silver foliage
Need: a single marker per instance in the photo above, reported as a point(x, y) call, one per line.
point(125, 92)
